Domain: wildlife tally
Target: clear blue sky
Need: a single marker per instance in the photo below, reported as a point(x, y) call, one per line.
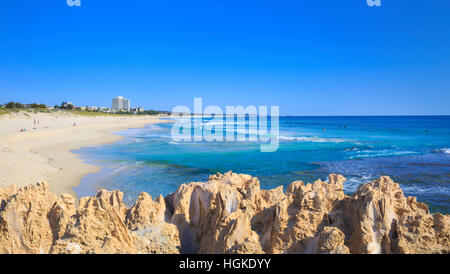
point(331, 57)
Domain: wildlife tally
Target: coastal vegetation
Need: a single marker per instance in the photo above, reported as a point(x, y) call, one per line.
point(16, 107)
point(4, 111)
point(94, 113)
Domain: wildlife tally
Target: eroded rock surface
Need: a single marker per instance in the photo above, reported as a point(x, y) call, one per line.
point(228, 214)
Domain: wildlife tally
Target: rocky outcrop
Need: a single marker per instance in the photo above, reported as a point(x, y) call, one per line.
point(228, 214)
point(24, 219)
point(34, 220)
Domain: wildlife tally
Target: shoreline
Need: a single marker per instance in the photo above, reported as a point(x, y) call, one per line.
point(46, 152)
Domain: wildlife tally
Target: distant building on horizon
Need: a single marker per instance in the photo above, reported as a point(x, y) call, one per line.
point(137, 109)
point(66, 104)
point(120, 103)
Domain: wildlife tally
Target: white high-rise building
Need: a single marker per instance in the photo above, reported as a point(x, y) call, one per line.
point(126, 104)
point(120, 103)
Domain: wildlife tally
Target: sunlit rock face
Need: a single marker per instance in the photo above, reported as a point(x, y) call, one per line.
point(227, 214)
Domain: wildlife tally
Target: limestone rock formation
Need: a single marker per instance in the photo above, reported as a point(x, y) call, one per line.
point(228, 214)
point(24, 223)
point(388, 222)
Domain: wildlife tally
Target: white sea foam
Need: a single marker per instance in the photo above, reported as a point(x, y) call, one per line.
point(352, 183)
point(215, 123)
point(140, 131)
point(174, 143)
point(384, 152)
point(417, 189)
point(312, 139)
point(119, 169)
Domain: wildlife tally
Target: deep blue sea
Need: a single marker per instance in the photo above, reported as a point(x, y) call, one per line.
point(413, 150)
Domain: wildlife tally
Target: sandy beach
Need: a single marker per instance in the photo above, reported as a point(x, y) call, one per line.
point(43, 152)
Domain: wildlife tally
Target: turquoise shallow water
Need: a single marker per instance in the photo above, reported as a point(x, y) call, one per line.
point(414, 151)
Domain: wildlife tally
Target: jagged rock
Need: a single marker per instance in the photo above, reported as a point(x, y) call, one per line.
point(215, 217)
point(5, 193)
point(227, 214)
point(61, 214)
point(385, 221)
point(331, 241)
point(24, 222)
point(147, 221)
point(293, 224)
point(97, 227)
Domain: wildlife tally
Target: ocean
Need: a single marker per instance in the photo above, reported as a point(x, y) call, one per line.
point(413, 150)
